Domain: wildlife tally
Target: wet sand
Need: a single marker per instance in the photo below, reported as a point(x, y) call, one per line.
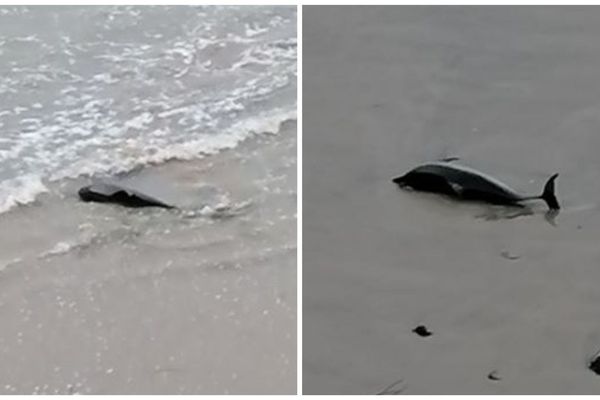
point(512, 91)
point(101, 299)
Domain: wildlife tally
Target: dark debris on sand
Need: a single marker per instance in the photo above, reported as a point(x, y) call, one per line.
point(595, 364)
point(493, 376)
point(422, 331)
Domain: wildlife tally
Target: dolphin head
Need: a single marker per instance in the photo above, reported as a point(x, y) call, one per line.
point(87, 194)
point(84, 193)
point(401, 181)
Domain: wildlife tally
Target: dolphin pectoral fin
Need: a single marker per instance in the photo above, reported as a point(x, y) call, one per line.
point(458, 189)
point(121, 195)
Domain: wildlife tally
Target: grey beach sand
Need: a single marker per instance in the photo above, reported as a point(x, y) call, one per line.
point(512, 303)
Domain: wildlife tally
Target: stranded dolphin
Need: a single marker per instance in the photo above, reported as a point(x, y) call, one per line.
point(109, 193)
point(468, 184)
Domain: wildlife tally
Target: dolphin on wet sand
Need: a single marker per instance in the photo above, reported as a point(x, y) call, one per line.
point(469, 184)
point(110, 193)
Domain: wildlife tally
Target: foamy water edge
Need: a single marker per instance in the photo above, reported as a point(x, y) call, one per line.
point(26, 189)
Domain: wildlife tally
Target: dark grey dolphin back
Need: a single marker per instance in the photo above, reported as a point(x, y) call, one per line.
point(106, 189)
point(466, 181)
point(106, 192)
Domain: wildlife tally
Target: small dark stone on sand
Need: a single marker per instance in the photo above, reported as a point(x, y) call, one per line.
point(422, 331)
point(595, 364)
point(493, 376)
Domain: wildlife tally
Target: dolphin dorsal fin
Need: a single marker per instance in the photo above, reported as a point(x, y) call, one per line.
point(449, 159)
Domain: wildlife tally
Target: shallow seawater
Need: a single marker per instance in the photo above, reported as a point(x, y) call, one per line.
point(91, 91)
point(194, 106)
point(99, 298)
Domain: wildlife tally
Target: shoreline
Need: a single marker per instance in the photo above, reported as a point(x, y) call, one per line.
point(38, 188)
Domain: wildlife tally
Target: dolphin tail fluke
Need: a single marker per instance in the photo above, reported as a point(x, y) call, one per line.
point(548, 195)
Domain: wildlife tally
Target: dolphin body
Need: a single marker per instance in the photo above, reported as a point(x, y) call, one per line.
point(109, 193)
point(469, 184)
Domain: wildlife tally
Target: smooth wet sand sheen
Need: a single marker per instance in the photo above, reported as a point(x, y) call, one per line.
point(512, 91)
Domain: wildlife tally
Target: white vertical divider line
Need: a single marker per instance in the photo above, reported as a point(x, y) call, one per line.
point(299, 197)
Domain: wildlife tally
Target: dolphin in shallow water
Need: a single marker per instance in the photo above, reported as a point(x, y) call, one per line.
point(109, 193)
point(469, 184)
